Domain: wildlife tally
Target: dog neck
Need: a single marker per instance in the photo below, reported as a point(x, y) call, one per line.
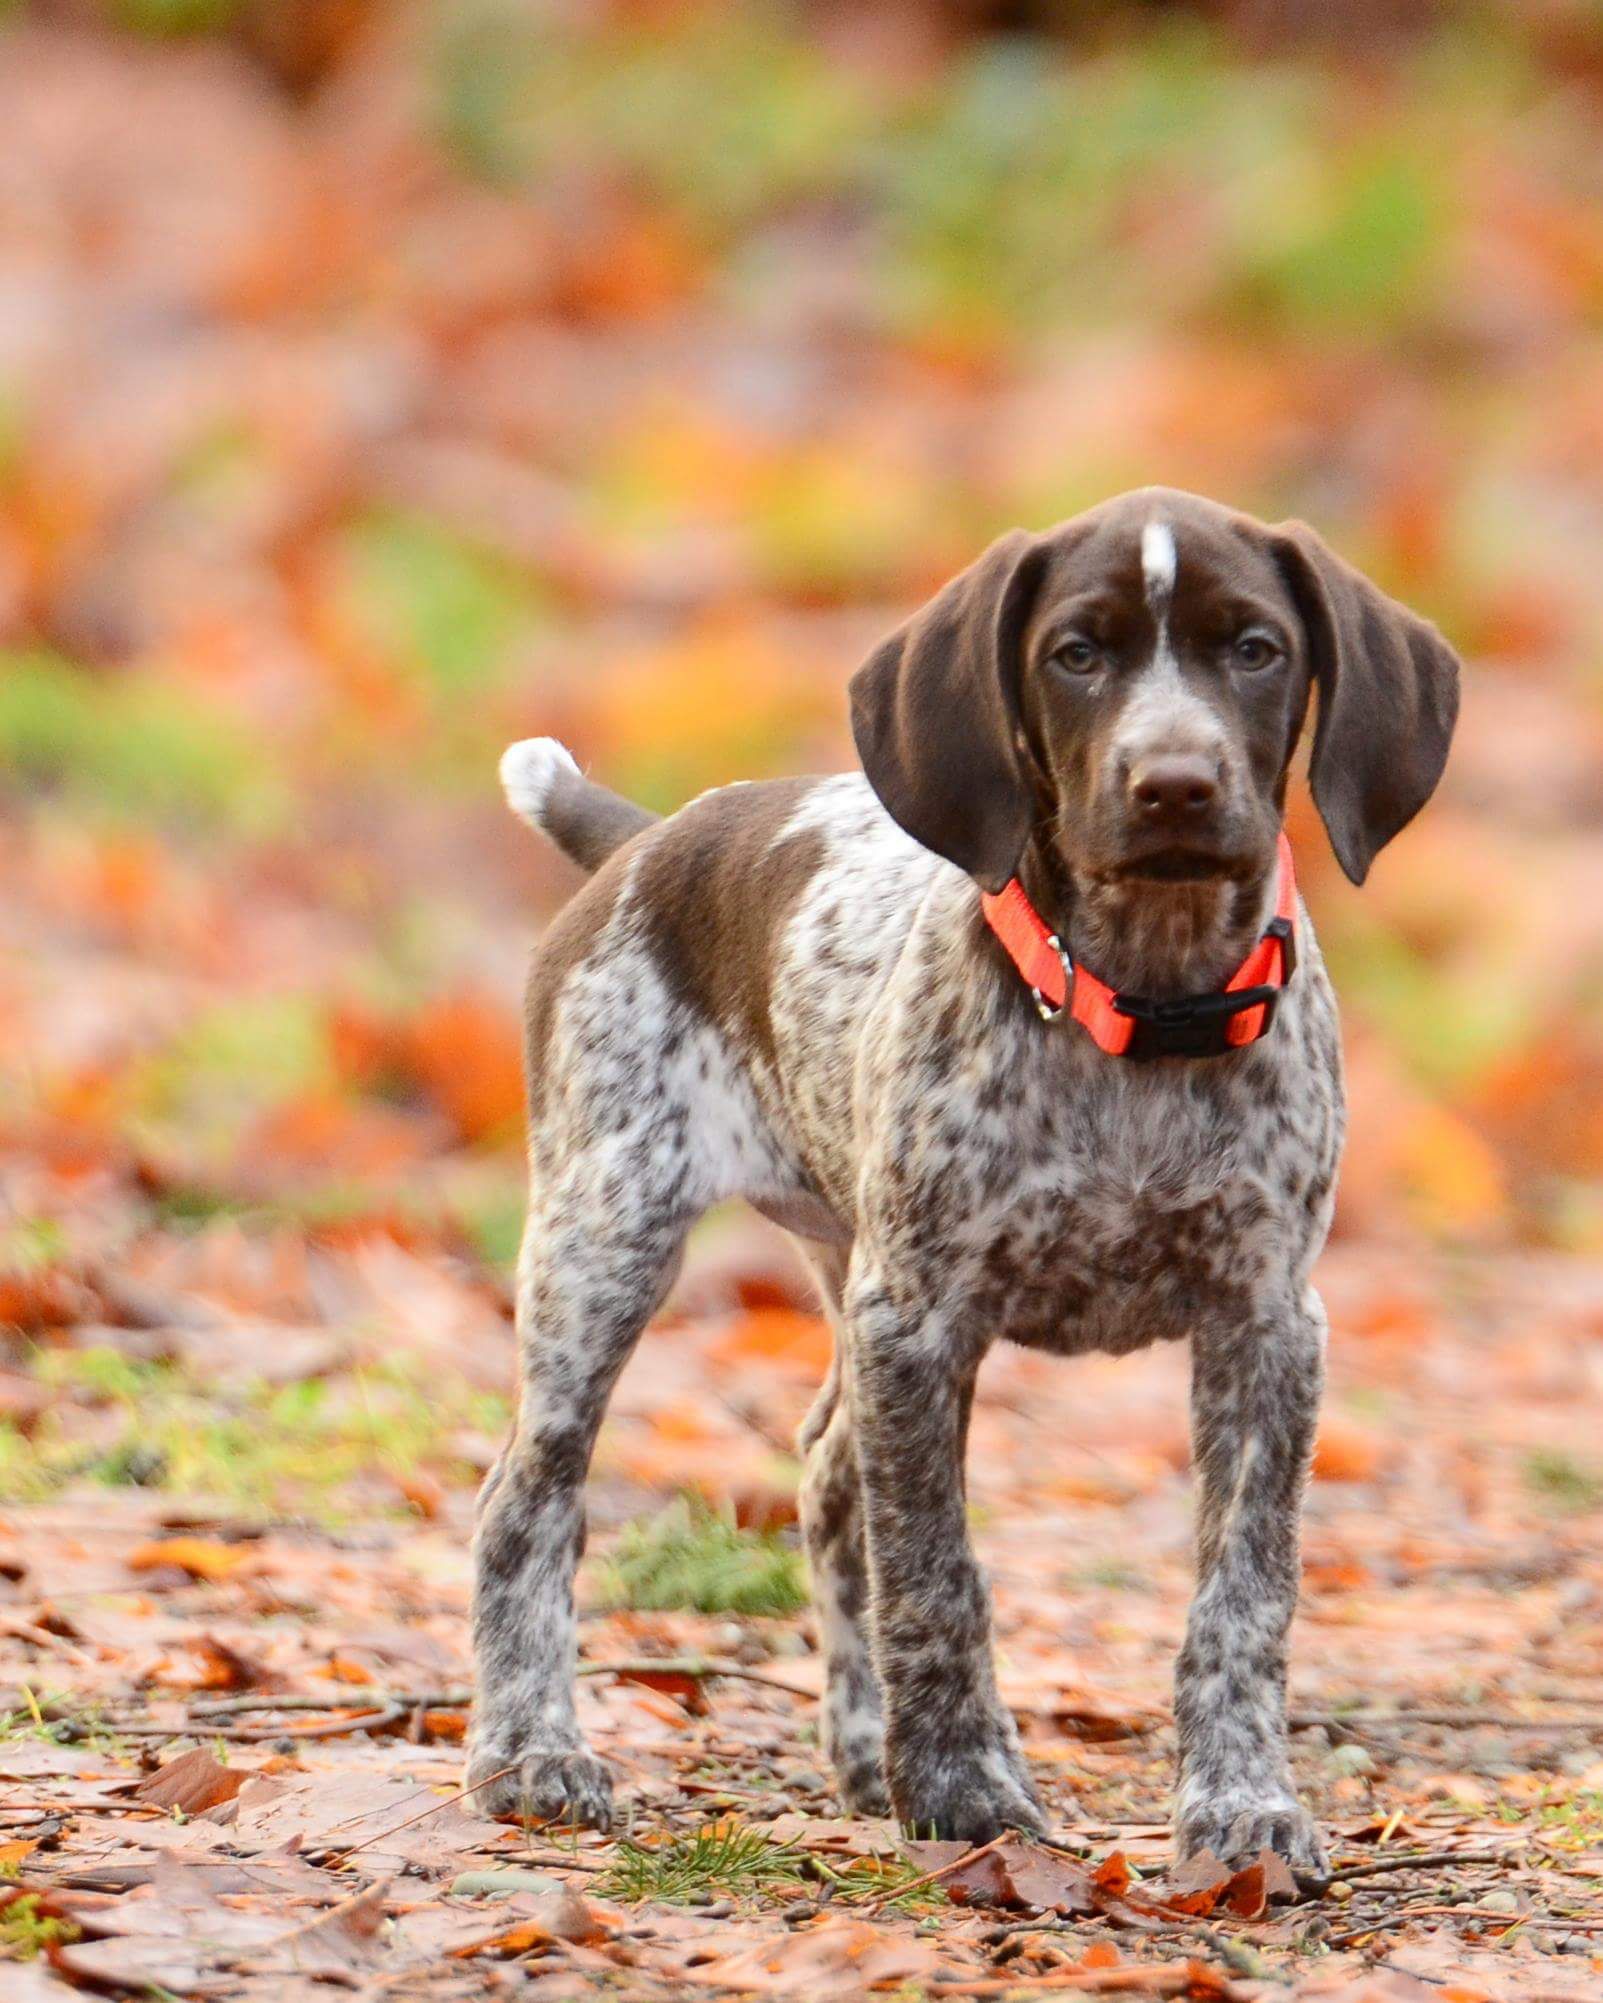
point(1148, 937)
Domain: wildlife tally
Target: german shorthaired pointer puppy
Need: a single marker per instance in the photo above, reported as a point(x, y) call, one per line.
point(846, 1000)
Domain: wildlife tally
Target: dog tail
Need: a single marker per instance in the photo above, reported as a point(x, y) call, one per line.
point(545, 788)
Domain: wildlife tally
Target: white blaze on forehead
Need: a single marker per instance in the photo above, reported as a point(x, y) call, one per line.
point(1158, 560)
point(1161, 713)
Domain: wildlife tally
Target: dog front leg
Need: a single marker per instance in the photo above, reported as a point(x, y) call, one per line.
point(952, 1755)
point(1255, 1404)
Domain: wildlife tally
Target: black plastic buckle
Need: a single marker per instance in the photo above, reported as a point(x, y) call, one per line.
point(1195, 1025)
point(1283, 930)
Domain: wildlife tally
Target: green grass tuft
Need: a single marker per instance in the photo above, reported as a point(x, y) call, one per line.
point(722, 1860)
point(695, 1558)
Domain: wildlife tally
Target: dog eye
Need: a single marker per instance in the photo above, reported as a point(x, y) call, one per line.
point(1254, 650)
point(1079, 657)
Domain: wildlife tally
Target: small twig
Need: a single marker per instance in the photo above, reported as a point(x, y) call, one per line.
point(444, 1801)
point(431, 1700)
point(41, 1637)
point(565, 1861)
point(1385, 1921)
point(1136, 1981)
point(1429, 1860)
point(945, 1871)
point(378, 1719)
point(1378, 1721)
point(700, 1667)
point(690, 1665)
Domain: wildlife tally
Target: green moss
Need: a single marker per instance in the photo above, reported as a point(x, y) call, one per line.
point(1558, 1478)
point(25, 1932)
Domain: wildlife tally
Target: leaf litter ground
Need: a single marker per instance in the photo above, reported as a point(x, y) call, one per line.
point(230, 1762)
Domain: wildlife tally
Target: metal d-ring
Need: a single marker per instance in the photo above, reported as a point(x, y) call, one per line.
point(1043, 1008)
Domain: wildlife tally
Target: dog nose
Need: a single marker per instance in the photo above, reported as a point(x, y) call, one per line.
point(1173, 787)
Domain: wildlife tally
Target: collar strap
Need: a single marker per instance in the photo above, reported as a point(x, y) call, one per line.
point(1129, 1025)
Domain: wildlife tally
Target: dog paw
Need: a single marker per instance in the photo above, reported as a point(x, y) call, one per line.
point(861, 1786)
point(1235, 1834)
point(967, 1798)
point(571, 1786)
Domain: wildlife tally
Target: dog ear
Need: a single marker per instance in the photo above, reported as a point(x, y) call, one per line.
point(1388, 700)
point(935, 715)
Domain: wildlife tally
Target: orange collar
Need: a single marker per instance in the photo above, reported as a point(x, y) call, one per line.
point(1127, 1025)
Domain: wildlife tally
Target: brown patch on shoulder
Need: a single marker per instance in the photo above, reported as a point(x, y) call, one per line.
point(714, 891)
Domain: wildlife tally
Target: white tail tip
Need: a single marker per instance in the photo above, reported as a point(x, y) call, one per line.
point(529, 770)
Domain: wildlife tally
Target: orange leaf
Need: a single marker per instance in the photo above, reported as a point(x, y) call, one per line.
point(689, 1691)
point(467, 1054)
point(1345, 1452)
point(1113, 1874)
point(799, 1342)
point(200, 1557)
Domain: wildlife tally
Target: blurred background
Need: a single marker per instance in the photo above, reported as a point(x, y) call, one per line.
point(379, 383)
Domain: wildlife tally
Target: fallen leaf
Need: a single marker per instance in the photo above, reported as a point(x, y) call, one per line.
point(391, 1822)
point(192, 1783)
point(143, 1964)
point(200, 1557)
point(549, 1918)
point(688, 1691)
point(1014, 1875)
point(835, 1957)
point(333, 1947)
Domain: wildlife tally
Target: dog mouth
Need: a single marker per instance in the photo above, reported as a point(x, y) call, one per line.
point(1177, 865)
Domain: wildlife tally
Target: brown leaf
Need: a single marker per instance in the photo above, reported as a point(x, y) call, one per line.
point(138, 1963)
point(1202, 1883)
point(192, 1783)
point(1193, 1888)
point(835, 1957)
point(335, 1945)
point(551, 1917)
point(1017, 1874)
point(394, 1822)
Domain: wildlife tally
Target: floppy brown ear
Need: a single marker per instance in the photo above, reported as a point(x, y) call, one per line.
point(1388, 700)
point(935, 715)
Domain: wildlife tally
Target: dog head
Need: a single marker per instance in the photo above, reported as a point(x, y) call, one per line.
point(1125, 693)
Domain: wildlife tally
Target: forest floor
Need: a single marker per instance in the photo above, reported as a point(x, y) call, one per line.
point(231, 1749)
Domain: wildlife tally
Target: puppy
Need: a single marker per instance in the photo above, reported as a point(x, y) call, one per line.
point(1024, 1034)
